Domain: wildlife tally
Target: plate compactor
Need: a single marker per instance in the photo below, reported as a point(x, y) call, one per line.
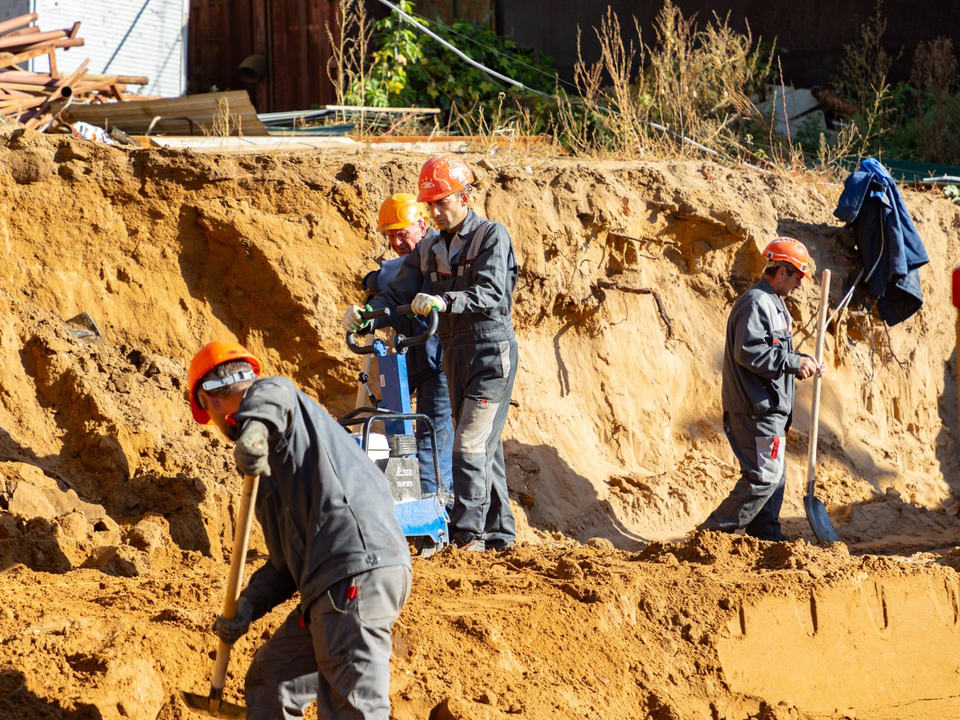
point(423, 517)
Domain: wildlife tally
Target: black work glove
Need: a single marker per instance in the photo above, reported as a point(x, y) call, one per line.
point(252, 449)
point(232, 629)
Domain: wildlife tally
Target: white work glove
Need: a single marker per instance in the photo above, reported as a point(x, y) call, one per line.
point(423, 303)
point(252, 449)
point(351, 319)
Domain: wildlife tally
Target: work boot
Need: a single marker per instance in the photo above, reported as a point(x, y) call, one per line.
point(468, 541)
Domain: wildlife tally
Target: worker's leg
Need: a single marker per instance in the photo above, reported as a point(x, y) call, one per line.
point(490, 371)
point(759, 446)
point(433, 400)
point(351, 624)
point(766, 524)
point(500, 528)
point(282, 679)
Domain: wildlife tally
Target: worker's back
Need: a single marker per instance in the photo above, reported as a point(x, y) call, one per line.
point(326, 509)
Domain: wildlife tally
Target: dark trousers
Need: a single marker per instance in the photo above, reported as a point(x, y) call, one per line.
point(760, 446)
point(481, 378)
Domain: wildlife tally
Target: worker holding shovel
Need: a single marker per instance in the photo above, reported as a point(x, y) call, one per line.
point(468, 272)
point(329, 525)
point(759, 369)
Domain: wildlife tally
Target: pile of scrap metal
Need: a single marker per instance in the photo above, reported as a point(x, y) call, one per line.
point(36, 99)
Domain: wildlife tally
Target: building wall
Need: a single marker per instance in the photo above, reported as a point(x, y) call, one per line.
point(291, 34)
point(813, 32)
point(122, 37)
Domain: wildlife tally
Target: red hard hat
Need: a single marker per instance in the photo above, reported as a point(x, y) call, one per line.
point(442, 175)
point(212, 354)
point(788, 250)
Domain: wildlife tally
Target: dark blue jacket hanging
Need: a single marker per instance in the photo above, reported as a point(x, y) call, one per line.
point(889, 244)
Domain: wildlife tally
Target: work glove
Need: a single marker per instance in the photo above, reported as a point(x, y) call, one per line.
point(351, 319)
point(232, 629)
point(423, 303)
point(252, 449)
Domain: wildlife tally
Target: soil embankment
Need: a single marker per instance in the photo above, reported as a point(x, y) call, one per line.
point(115, 509)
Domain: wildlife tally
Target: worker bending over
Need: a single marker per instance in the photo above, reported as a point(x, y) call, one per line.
point(759, 368)
point(468, 273)
point(329, 525)
point(403, 219)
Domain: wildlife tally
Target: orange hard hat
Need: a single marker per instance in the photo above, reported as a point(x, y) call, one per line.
point(788, 250)
point(399, 211)
point(212, 354)
point(442, 175)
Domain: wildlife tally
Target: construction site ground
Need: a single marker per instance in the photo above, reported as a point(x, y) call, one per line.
point(116, 509)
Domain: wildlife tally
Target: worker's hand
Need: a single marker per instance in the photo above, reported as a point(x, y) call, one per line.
point(422, 304)
point(809, 367)
point(351, 319)
point(232, 629)
point(252, 449)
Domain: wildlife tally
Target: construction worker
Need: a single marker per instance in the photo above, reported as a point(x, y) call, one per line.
point(329, 525)
point(404, 220)
point(467, 272)
point(759, 368)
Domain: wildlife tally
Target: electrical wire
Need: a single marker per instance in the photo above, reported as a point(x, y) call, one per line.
point(490, 48)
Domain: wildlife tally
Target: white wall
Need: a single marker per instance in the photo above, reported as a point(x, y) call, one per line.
point(123, 37)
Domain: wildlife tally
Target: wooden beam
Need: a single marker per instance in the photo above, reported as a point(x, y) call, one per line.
point(14, 23)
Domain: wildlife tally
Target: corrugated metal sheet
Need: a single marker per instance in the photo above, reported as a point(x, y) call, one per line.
point(123, 37)
point(13, 8)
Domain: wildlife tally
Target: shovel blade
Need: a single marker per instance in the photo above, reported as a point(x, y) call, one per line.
point(212, 706)
point(819, 520)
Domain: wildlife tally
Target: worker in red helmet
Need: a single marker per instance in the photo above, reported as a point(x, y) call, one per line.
point(759, 370)
point(468, 272)
point(329, 525)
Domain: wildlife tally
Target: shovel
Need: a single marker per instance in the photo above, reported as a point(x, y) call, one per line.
point(213, 705)
point(816, 512)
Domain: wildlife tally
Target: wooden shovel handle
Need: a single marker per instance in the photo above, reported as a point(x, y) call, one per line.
point(241, 537)
point(815, 410)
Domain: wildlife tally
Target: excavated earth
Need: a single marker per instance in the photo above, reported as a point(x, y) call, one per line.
point(116, 510)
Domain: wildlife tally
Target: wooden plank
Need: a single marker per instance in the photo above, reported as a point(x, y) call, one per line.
point(255, 145)
point(384, 110)
point(135, 117)
point(16, 41)
point(10, 60)
point(263, 99)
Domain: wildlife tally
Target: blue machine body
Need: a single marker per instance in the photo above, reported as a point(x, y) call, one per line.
point(394, 387)
point(427, 517)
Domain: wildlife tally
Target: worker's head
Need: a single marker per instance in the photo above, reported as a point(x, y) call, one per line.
point(788, 263)
point(445, 186)
point(404, 220)
point(219, 375)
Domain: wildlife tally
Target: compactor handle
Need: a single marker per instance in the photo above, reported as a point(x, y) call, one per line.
point(402, 343)
point(366, 315)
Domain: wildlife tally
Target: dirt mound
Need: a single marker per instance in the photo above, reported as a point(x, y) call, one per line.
point(115, 507)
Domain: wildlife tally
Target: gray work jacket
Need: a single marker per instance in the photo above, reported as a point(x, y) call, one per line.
point(759, 365)
point(475, 271)
point(326, 509)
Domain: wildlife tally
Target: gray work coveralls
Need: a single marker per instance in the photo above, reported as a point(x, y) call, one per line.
point(759, 370)
point(329, 524)
point(475, 271)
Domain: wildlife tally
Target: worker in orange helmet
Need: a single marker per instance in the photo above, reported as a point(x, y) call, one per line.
point(329, 525)
point(468, 273)
point(404, 220)
point(759, 370)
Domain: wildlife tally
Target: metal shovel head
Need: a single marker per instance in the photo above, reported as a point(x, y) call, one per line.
point(212, 707)
point(819, 520)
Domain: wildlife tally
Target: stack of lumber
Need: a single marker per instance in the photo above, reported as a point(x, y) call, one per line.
point(37, 99)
